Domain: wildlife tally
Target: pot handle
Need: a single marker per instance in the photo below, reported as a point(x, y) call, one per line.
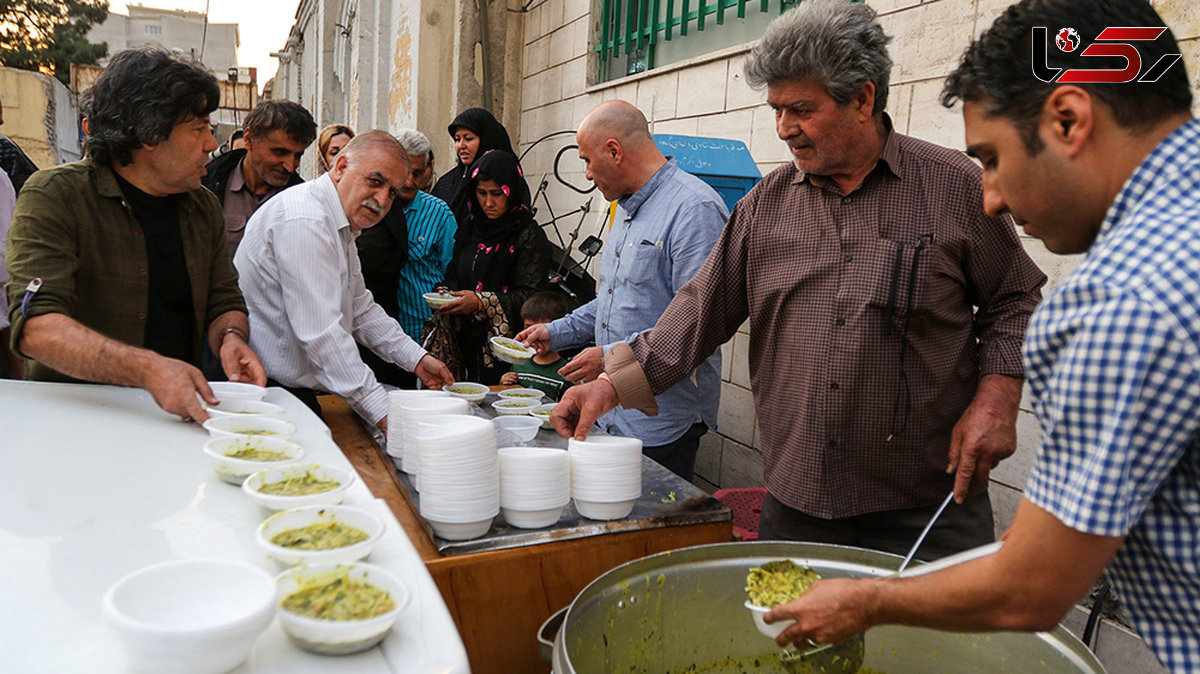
point(548, 632)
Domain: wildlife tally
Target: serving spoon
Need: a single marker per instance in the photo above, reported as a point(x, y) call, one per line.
point(847, 656)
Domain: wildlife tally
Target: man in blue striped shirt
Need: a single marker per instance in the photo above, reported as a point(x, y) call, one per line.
point(431, 229)
point(1111, 357)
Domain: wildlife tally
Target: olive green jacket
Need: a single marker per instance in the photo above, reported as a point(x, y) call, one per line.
point(74, 230)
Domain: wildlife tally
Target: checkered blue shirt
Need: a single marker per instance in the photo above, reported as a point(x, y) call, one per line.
point(1113, 360)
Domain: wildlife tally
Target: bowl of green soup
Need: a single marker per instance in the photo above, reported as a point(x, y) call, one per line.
point(467, 390)
point(337, 609)
point(296, 485)
point(319, 535)
point(237, 458)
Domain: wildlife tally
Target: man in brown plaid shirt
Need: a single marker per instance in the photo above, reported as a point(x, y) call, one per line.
point(886, 309)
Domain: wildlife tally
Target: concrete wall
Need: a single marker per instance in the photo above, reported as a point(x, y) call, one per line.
point(392, 65)
point(40, 116)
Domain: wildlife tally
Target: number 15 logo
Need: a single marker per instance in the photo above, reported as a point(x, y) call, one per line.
point(1111, 41)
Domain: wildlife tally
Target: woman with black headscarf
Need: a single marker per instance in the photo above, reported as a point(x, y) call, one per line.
point(475, 132)
point(500, 259)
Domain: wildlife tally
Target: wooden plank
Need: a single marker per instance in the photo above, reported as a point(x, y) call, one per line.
point(375, 468)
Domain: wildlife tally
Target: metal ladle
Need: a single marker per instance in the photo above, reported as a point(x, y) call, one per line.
point(847, 657)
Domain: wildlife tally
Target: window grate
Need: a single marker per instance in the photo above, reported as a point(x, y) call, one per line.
point(633, 28)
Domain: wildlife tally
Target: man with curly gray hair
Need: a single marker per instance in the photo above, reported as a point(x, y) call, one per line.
point(886, 308)
point(119, 263)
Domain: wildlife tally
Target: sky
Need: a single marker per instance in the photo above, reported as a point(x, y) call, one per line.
point(263, 25)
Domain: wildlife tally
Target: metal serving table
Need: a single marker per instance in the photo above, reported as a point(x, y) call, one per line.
point(666, 500)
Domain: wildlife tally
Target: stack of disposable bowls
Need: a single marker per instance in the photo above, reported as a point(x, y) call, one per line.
point(395, 436)
point(535, 485)
point(460, 481)
point(606, 476)
point(402, 424)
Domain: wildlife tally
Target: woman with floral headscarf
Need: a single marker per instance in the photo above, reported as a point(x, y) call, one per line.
point(501, 257)
point(475, 132)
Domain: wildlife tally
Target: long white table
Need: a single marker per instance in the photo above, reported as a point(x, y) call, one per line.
point(97, 482)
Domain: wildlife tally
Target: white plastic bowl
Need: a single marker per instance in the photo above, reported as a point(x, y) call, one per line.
point(532, 519)
point(190, 616)
point(249, 425)
point(300, 517)
point(507, 406)
point(339, 637)
point(595, 510)
point(236, 390)
point(452, 531)
point(774, 629)
point(276, 502)
point(544, 418)
point(234, 470)
point(243, 408)
point(467, 390)
point(510, 350)
point(523, 428)
point(437, 300)
point(523, 394)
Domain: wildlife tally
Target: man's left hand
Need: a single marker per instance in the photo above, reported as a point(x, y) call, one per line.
point(433, 373)
point(986, 434)
point(240, 362)
point(584, 367)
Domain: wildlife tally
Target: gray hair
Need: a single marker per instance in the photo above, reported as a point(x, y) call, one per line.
point(415, 143)
point(834, 41)
point(372, 141)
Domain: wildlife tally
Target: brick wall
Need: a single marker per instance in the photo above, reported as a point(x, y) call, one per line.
point(707, 96)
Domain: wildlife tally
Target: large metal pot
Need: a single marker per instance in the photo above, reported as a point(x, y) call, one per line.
point(683, 609)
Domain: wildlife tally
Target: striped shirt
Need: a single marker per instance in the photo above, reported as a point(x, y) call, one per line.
point(1113, 362)
point(872, 315)
point(299, 272)
point(431, 229)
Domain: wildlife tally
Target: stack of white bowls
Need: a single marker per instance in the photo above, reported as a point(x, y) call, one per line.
point(606, 476)
point(535, 485)
point(396, 398)
point(460, 481)
point(406, 411)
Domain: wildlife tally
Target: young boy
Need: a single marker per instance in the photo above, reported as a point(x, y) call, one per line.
point(541, 371)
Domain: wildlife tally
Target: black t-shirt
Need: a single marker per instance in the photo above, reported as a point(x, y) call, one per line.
point(170, 318)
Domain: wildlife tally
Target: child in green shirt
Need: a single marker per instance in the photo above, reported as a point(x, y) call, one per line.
point(541, 371)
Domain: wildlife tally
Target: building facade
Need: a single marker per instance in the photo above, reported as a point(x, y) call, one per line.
point(215, 45)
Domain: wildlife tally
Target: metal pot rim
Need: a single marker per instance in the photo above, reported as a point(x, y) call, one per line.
point(854, 560)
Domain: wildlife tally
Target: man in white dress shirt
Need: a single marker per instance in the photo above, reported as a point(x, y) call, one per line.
point(299, 272)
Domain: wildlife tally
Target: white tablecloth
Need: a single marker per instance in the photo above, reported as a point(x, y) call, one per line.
point(97, 482)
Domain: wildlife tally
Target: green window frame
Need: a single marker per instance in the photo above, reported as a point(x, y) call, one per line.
point(633, 33)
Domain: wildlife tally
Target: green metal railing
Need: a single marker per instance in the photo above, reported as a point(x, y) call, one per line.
point(634, 27)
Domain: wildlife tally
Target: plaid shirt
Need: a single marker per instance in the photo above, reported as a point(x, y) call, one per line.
point(1113, 360)
point(865, 343)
